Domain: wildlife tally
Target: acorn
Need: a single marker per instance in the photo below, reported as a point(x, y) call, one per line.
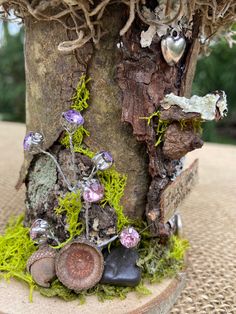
point(41, 266)
point(79, 265)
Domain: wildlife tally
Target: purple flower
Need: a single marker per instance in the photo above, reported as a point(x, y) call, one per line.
point(32, 139)
point(129, 237)
point(103, 160)
point(93, 191)
point(73, 117)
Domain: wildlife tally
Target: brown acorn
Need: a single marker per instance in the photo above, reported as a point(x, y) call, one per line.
point(41, 265)
point(79, 265)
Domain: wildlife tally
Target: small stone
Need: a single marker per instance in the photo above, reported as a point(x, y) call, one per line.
point(32, 139)
point(121, 269)
point(93, 191)
point(103, 160)
point(73, 117)
point(129, 237)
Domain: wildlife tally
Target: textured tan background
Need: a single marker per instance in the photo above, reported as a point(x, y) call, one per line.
point(209, 216)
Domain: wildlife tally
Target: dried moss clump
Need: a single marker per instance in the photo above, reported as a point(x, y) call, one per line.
point(85, 17)
point(158, 262)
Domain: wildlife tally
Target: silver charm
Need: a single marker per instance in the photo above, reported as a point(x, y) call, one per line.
point(176, 226)
point(172, 47)
point(41, 232)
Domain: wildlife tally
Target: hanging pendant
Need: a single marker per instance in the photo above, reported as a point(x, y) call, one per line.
point(173, 47)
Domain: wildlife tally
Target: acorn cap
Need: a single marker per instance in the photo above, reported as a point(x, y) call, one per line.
point(79, 265)
point(43, 252)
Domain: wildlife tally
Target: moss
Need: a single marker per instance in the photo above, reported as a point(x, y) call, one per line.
point(113, 181)
point(158, 261)
point(71, 206)
point(114, 184)
point(81, 97)
point(162, 125)
point(15, 249)
point(58, 290)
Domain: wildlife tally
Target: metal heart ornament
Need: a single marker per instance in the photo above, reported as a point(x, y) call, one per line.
point(172, 47)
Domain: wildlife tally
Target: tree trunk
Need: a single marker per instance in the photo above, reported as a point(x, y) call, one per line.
point(128, 83)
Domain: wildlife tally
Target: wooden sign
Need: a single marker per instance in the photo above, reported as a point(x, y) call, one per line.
point(177, 190)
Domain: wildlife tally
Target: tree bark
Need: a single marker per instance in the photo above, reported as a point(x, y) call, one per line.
point(127, 84)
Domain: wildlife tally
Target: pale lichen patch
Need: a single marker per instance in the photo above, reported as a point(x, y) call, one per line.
point(208, 106)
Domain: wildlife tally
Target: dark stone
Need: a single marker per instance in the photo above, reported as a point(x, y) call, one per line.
point(120, 268)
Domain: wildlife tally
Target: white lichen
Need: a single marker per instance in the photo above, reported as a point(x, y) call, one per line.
point(147, 37)
point(210, 106)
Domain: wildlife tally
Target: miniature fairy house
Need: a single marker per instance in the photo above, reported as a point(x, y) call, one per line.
point(110, 118)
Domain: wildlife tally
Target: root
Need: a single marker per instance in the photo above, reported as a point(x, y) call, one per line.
point(217, 16)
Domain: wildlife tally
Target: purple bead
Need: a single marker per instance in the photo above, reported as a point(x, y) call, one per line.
point(93, 191)
point(103, 160)
point(39, 231)
point(32, 139)
point(129, 237)
point(73, 117)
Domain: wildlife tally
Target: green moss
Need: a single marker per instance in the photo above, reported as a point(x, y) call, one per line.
point(114, 184)
point(79, 103)
point(158, 261)
point(15, 249)
point(197, 125)
point(71, 206)
point(58, 290)
point(162, 125)
point(78, 138)
point(81, 97)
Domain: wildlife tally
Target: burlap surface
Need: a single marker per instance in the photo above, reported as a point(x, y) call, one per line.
point(209, 217)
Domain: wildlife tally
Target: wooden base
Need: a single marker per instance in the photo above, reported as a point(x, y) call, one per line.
point(15, 299)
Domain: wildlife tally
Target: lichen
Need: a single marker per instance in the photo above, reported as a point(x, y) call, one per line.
point(206, 105)
point(71, 205)
point(15, 249)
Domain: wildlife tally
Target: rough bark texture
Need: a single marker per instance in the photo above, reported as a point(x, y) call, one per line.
point(127, 84)
point(178, 142)
point(51, 82)
point(103, 120)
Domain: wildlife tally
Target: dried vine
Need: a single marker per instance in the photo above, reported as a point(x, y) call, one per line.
point(216, 16)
